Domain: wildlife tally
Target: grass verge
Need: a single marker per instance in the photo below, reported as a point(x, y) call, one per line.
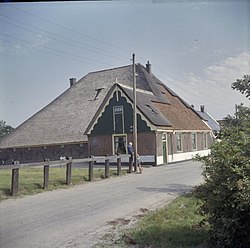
point(178, 225)
point(31, 179)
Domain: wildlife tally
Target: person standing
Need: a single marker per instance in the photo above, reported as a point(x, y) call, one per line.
point(130, 149)
point(131, 152)
point(139, 161)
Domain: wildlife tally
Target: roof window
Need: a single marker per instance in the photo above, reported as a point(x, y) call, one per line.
point(152, 110)
point(98, 92)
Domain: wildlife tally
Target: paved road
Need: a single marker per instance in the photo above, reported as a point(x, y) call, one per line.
point(78, 216)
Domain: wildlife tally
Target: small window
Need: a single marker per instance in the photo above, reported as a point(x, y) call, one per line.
point(205, 140)
point(194, 141)
point(98, 91)
point(178, 142)
point(152, 110)
point(118, 118)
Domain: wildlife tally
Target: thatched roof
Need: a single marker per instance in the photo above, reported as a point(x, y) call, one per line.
point(66, 119)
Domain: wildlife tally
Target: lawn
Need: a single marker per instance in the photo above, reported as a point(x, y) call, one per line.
point(178, 225)
point(31, 179)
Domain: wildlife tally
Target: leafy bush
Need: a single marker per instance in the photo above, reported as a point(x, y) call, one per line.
point(226, 191)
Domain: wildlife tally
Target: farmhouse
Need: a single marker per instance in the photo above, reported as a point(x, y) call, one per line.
point(94, 117)
point(211, 122)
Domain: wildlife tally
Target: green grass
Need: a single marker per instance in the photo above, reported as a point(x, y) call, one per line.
point(31, 179)
point(178, 225)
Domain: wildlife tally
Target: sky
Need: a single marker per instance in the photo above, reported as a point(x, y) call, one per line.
point(197, 48)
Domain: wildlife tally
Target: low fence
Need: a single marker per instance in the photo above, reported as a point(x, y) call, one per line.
point(46, 165)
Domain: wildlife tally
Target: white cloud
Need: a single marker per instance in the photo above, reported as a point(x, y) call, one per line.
point(213, 87)
point(40, 40)
point(229, 69)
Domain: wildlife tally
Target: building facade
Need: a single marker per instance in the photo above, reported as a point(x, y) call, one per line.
point(94, 116)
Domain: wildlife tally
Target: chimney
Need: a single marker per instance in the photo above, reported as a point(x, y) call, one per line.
point(72, 81)
point(148, 67)
point(202, 108)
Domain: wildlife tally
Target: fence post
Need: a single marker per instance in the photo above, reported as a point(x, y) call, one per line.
point(45, 176)
point(91, 172)
point(130, 166)
point(118, 166)
point(69, 172)
point(15, 180)
point(106, 168)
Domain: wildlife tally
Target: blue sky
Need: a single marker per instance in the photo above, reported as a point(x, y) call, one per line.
point(197, 48)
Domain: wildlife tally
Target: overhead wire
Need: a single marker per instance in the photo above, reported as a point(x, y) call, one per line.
point(57, 50)
point(101, 51)
point(62, 41)
point(90, 48)
point(71, 30)
point(54, 54)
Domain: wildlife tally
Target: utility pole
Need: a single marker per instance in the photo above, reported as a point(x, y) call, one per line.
point(134, 115)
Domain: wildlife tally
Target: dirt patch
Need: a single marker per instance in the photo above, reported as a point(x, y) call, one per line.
point(116, 236)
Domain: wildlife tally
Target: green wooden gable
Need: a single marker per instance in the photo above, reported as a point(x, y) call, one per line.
point(117, 117)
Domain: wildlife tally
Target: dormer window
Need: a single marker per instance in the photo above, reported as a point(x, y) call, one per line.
point(98, 91)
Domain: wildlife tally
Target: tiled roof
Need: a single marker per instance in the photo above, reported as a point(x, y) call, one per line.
point(212, 123)
point(179, 113)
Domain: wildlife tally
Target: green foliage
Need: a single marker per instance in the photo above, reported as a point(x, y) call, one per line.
point(226, 191)
point(4, 129)
point(243, 85)
point(178, 225)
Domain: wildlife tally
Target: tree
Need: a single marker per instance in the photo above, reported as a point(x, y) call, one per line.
point(226, 191)
point(243, 85)
point(4, 129)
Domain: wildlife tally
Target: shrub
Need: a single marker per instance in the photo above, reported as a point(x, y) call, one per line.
point(226, 191)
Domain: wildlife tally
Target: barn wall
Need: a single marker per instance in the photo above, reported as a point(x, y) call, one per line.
point(38, 154)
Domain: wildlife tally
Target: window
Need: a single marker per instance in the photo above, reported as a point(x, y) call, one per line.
point(98, 91)
point(120, 142)
point(194, 141)
point(118, 119)
point(205, 141)
point(152, 110)
point(178, 142)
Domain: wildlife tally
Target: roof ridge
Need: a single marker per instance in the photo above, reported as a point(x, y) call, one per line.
point(137, 89)
point(109, 69)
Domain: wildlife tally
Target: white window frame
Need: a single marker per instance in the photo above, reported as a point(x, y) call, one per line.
point(177, 139)
point(113, 142)
point(122, 113)
point(194, 141)
point(205, 144)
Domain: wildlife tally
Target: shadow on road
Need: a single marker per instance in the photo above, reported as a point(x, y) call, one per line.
point(170, 188)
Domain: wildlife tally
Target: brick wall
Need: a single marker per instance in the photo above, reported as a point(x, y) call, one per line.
point(100, 145)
